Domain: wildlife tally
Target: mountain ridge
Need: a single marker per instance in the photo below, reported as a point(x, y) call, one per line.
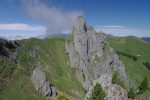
point(70, 78)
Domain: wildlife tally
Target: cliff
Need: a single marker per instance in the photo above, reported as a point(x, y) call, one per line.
point(90, 53)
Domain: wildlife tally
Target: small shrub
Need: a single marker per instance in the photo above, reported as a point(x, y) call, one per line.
point(98, 93)
point(143, 86)
point(10, 45)
point(116, 79)
point(131, 93)
point(62, 97)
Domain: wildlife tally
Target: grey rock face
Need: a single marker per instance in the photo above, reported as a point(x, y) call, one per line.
point(148, 98)
point(89, 51)
point(14, 55)
point(114, 91)
point(38, 79)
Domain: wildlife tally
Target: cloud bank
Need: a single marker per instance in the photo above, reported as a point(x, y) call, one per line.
point(18, 31)
point(123, 31)
point(21, 27)
point(21, 31)
point(57, 20)
point(14, 35)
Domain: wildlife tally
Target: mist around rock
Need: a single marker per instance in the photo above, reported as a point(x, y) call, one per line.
point(57, 20)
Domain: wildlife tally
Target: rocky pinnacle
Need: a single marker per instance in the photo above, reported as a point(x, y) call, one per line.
point(90, 53)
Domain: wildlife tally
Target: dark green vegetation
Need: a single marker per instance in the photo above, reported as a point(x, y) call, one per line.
point(117, 80)
point(98, 93)
point(147, 65)
point(6, 47)
point(143, 86)
point(133, 52)
point(7, 66)
point(50, 54)
point(127, 55)
point(142, 89)
point(131, 93)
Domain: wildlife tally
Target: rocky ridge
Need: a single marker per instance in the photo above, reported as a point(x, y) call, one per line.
point(90, 53)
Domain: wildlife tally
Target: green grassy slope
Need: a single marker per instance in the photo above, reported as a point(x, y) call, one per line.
point(51, 56)
point(133, 52)
point(20, 89)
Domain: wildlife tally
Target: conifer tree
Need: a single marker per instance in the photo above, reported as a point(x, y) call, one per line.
point(143, 86)
point(98, 93)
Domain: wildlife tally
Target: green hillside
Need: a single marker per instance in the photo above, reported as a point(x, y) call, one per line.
point(133, 52)
point(51, 56)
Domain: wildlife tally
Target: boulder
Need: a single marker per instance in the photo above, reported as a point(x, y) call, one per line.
point(40, 83)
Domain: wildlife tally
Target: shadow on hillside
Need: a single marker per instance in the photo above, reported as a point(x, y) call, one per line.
point(147, 65)
point(127, 55)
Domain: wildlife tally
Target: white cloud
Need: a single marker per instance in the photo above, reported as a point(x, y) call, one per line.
point(17, 31)
point(21, 27)
point(113, 26)
point(18, 35)
point(58, 20)
point(123, 31)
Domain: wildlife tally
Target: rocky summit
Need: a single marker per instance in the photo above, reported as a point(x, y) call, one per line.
point(90, 53)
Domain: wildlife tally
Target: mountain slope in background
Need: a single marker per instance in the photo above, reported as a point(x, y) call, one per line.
point(133, 52)
point(146, 39)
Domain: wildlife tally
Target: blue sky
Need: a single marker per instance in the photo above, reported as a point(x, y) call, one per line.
point(27, 18)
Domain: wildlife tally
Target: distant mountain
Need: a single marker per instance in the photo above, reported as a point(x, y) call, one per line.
point(56, 36)
point(2, 40)
point(146, 39)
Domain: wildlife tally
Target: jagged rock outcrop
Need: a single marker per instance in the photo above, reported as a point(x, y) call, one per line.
point(114, 91)
point(89, 51)
point(38, 79)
